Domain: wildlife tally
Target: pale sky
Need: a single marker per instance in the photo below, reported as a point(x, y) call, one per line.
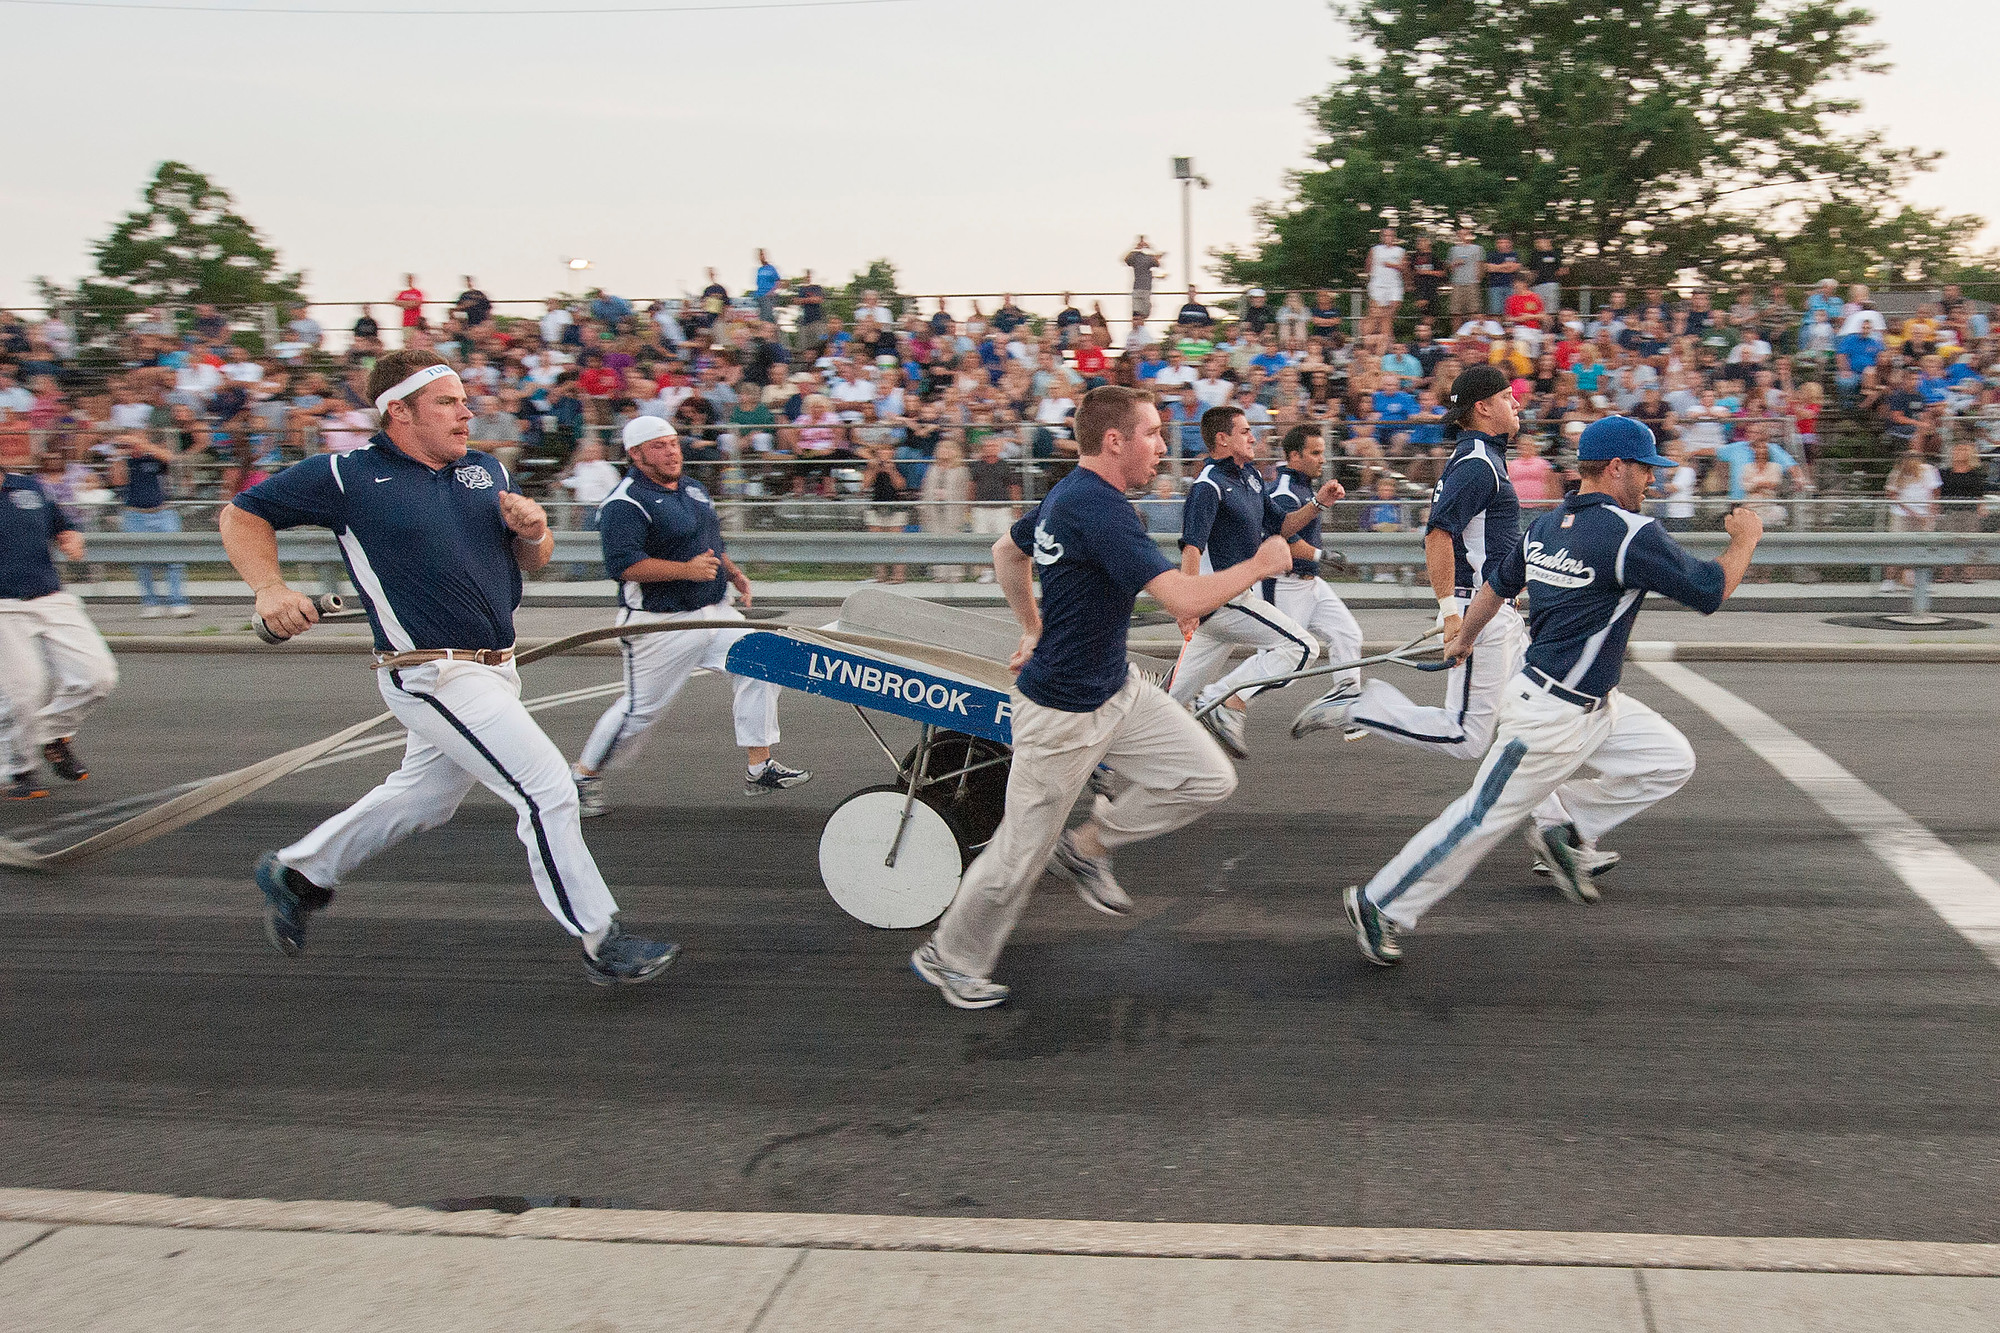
point(981, 147)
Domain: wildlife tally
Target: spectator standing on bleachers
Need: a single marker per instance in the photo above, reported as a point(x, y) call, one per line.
point(142, 468)
point(411, 302)
point(1143, 260)
point(768, 282)
point(1465, 263)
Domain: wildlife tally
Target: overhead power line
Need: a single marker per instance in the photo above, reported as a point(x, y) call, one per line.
point(565, 11)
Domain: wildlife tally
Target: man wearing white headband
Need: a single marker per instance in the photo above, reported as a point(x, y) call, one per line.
point(435, 537)
point(663, 543)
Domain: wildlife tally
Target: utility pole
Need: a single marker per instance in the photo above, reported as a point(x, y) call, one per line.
point(1184, 173)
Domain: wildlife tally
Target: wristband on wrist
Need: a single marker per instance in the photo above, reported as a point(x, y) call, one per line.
point(1451, 606)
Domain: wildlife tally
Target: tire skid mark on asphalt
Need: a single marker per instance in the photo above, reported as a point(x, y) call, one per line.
point(1964, 895)
point(111, 811)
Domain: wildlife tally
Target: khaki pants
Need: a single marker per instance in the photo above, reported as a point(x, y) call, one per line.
point(1465, 299)
point(1175, 771)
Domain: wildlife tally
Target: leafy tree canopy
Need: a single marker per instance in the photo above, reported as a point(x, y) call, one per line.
point(1646, 136)
point(187, 245)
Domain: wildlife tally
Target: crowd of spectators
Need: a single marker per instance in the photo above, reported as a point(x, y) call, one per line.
point(928, 417)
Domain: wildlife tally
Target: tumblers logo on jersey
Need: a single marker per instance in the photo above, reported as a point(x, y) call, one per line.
point(1047, 549)
point(26, 499)
point(1558, 569)
point(473, 477)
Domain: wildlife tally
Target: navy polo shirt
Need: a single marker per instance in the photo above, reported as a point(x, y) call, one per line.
point(1476, 504)
point(1289, 494)
point(1228, 514)
point(426, 546)
point(642, 520)
point(1592, 563)
point(29, 521)
point(1094, 557)
point(145, 482)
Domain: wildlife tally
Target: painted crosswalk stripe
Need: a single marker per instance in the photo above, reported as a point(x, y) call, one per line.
point(1957, 890)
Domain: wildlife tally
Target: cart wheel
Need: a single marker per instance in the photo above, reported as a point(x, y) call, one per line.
point(974, 802)
point(855, 844)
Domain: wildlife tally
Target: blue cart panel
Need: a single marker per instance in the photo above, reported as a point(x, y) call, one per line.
point(867, 682)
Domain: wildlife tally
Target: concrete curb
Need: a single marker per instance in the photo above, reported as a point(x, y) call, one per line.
point(1657, 650)
point(1172, 1240)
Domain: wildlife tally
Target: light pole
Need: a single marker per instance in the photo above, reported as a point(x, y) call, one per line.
point(1184, 173)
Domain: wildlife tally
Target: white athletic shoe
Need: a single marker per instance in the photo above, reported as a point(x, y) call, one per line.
point(1891, 586)
point(180, 609)
point(1561, 851)
point(590, 802)
point(151, 612)
point(1328, 711)
point(1226, 725)
point(1091, 875)
point(960, 990)
point(1594, 860)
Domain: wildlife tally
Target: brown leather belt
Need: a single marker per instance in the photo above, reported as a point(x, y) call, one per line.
point(483, 656)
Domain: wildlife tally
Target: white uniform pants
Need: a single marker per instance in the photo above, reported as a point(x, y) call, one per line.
point(1248, 620)
point(1463, 728)
point(657, 666)
point(467, 725)
point(1311, 603)
point(1175, 771)
point(1542, 741)
point(54, 668)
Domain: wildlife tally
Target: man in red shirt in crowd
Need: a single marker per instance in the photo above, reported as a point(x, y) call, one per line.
point(411, 302)
point(1090, 362)
point(1524, 304)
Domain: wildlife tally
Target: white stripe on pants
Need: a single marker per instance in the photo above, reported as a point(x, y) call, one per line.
point(1311, 603)
point(467, 725)
point(1247, 620)
point(54, 668)
point(1175, 771)
point(1463, 728)
point(1640, 758)
point(657, 666)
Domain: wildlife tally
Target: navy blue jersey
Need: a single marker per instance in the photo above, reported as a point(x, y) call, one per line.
point(1476, 504)
point(426, 546)
point(1592, 564)
point(642, 520)
point(1289, 494)
point(145, 482)
point(1094, 556)
point(29, 521)
point(1228, 514)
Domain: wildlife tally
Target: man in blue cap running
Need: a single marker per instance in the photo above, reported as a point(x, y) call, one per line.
point(1592, 561)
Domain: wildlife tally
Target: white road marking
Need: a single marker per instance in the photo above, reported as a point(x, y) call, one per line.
point(1964, 895)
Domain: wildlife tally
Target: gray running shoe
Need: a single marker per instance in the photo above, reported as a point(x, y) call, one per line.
point(1595, 861)
point(1091, 875)
point(1329, 711)
point(590, 802)
point(627, 960)
point(1562, 852)
point(960, 990)
point(1373, 932)
point(1226, 725)
point(774, 776)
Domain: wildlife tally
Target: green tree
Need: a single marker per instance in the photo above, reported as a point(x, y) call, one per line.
point(879, 277)
point(1647, 136)
point(187, 245)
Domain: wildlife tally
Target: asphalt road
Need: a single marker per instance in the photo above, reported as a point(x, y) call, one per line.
point(1760, 1031)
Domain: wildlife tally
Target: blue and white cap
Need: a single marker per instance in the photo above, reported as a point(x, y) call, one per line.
point(1620, 437)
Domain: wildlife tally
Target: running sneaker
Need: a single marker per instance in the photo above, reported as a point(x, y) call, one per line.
point(773, 776)
point(1091, 875)
point(1373, 932)
point(290, 899)
point(626, 960)
point(1226, 725)
point(63, 761)
point(22, 787)
point(961, 990)
point(1595, 861)
point(1561, 851)
point(590, 802)
point(1329, 711)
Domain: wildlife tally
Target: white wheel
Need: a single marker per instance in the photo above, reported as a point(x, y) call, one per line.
point(855, 844)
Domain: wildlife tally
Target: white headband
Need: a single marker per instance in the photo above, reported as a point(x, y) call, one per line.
point(411, 385)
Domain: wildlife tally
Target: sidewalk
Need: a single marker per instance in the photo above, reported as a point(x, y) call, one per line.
point(76, 1261)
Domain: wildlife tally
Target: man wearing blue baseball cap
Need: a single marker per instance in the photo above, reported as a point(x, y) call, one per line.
point(1592, 560)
